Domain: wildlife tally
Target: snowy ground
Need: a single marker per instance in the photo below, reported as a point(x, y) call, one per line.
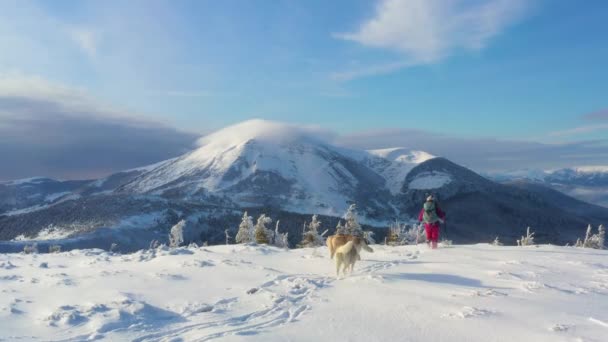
point(234, 293)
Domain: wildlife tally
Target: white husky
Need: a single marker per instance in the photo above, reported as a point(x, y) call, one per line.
point(348, 254)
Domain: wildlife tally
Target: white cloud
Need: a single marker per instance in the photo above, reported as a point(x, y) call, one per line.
point(426, 31)
point(86, 40)
point(579, 130)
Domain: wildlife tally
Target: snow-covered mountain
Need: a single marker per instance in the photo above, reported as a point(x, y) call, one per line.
point(290, 172)
point(265, 163)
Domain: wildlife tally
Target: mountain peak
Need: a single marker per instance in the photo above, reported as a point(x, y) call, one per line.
point(264, 131)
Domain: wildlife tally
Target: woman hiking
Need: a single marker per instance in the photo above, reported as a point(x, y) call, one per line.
point(431, 215)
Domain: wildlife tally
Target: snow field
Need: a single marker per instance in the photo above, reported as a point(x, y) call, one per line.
point(244, 292)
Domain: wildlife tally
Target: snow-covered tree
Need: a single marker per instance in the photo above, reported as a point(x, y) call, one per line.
point(176, 235)
point(404, 234)
point(54, 249)
point(368, 235)
point(527, 240)
point(154, 244)
point(340, 228)
point(263, 235)
point(280, 239)
point(596, 241)
point(496, 242)
point(311, 236)
point(228, 237)
point(351, 225)
point(31, 249)
point(246, 231)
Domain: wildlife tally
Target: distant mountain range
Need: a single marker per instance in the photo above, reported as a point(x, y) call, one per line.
point(589, 184)
point(291, 173)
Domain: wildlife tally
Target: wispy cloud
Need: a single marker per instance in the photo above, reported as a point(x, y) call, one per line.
point(193, 93)
point(579, 130)
point(597, 115)
point(86, 39)
point(427, 31)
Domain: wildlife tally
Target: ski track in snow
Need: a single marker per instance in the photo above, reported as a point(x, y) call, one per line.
point(267, 292)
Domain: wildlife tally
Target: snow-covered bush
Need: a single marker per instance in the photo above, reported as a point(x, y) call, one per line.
point(245, 233)
point(352, 226)
point(280, 239)
point(311, 236)
point(263, 235)
point(228, 237)
point(54, 249)
point(31, 249)
point(593, 240)
point(368, 235)
point(154, 244)
point(404, 234)
point(496, 242)
point(176, 236)
point(527, 240)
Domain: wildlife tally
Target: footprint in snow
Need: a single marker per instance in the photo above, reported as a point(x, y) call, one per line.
point(560, 327)
point(470, 312)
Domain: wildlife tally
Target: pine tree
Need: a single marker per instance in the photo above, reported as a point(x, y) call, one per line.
point(262, 234)
point(340, 228)
point(280, 239)
point(601, 237)
point(176, 236)
point(352, 226)
point(246, 231)
point(311, 236)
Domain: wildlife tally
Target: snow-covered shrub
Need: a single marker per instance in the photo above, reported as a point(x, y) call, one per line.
point(404, 234)
point(245, 233)
point(280, 239)
point(527, 240)
point(368, 235)
point(263, 235)
point(228, 237)
point(154, 244)
point(31, 249)
point(352, 226)
point(593, 240)
point(311, 236)
point(496, 242)
point(176, 236)
point(54, 249)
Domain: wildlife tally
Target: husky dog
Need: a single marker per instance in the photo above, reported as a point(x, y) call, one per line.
point(348, 254)
point(336, 241)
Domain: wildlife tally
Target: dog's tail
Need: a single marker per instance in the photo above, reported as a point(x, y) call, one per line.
point(346, 248)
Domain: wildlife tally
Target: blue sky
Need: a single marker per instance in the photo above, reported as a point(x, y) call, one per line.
point(524, 70)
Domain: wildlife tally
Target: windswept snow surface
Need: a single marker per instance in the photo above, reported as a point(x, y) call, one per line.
point(258, 293)
point(430, 180)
